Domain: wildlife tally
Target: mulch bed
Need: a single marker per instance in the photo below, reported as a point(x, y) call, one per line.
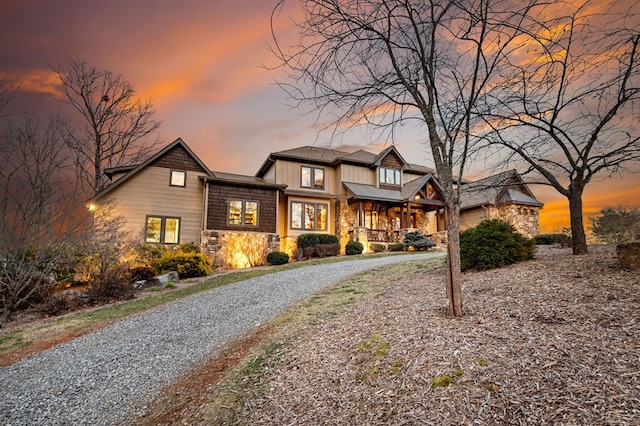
point(554, 341)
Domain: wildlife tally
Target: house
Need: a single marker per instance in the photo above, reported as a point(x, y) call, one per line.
point(356, 196)
point(173, 198)
point(502, 196)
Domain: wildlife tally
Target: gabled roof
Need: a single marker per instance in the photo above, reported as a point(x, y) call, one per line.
point(333, 157)
point(231, 178)
point(385, 152)
point(502, 188)
point(405, 194)
point(135, 169)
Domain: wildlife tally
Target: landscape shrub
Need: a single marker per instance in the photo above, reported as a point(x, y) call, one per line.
point(189, 248)
point(396, 247)
point(377, 248)
point(493, 244)
point(187, 265)
point(307, 240)
point(354, 247)
point(298, 254)
point(277, 258)
point(548, 239)
point(142, 273)
point(111, 284)
point(320, 245)
point(417, 240)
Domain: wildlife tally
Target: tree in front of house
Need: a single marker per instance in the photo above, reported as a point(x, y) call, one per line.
point(116, 127)
point(569, 107)
point(386, 63)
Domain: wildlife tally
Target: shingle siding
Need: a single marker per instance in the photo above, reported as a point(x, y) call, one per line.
point(218, 202)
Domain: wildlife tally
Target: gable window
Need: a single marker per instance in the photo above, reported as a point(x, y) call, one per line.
point(310, 216)
point(390, 176)
point(243, 213)
point(312, 177)
point(178, 178)
point(163, 229)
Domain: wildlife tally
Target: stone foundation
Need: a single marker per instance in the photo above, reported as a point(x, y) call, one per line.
point(238, 249)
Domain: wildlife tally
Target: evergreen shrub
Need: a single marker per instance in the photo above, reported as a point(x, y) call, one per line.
point(493, 244)
point(277, 258)
point(187, 265)
point(354, 247)
point(417, 240)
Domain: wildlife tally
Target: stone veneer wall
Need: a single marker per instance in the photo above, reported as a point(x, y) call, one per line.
point(237, 249)
point(524, 218)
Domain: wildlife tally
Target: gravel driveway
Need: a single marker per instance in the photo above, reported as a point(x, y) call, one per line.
point(108, 376)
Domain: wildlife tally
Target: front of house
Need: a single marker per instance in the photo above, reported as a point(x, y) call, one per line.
point(173, 198)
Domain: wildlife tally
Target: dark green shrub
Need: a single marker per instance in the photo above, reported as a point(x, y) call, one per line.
point(328, 239)
point(187, 265)
point(377, 248)
point(493, 244)
point(320, 245)
point(417, 240)
point(354, 247)
point(308, 240)
point(548, 239)
point(277, 258)
point(396, 247)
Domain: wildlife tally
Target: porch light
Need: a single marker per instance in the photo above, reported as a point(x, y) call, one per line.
point(416, 197)
point(91, 207)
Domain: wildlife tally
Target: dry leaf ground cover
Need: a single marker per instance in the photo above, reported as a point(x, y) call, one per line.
point(554, 341)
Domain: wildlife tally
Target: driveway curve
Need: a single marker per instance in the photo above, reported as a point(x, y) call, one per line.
point(108, 376)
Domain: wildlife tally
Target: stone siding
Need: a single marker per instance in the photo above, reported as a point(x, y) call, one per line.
point(237, 249)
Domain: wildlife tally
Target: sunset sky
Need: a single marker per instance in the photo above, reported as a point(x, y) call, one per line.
point(202, 63)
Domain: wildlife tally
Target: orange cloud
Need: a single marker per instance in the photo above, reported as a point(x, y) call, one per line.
point(38, 81)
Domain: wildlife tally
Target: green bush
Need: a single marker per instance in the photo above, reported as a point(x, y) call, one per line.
point(308, 240)
point(189, 248)
point(320, 245)
point(396, 247)
point(417, 240)
point(277, 258)
point(377, 248)
point(493, 244)
point(354, 247)
point(187, 265)
point(548, 239)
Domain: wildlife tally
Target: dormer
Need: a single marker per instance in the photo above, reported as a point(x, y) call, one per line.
point(390, 166)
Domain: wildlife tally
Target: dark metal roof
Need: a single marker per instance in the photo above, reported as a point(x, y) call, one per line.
point(501, 188)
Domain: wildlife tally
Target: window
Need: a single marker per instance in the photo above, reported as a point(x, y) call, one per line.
point(312, 177)
point(178, 178)
point(390, 176)
point(243, 213)
point(310, 216)
point(164, 230)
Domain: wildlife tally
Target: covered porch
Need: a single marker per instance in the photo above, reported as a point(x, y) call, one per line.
point(384, 216)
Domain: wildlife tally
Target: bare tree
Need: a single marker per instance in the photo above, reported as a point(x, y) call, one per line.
point(38, 217)
point(387, 62)
point(117, 127)
point(569, 105)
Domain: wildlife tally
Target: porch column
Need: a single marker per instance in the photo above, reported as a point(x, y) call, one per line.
point(409, 224)
point(359, 213)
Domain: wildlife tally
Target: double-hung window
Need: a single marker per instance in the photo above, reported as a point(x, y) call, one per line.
point(309, 216)
point(390, 176)
point(312, 177)
point(243, 213)
point(163, 230)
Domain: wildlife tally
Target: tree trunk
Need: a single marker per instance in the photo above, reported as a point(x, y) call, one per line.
point(578, 236)
point(454, 297)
